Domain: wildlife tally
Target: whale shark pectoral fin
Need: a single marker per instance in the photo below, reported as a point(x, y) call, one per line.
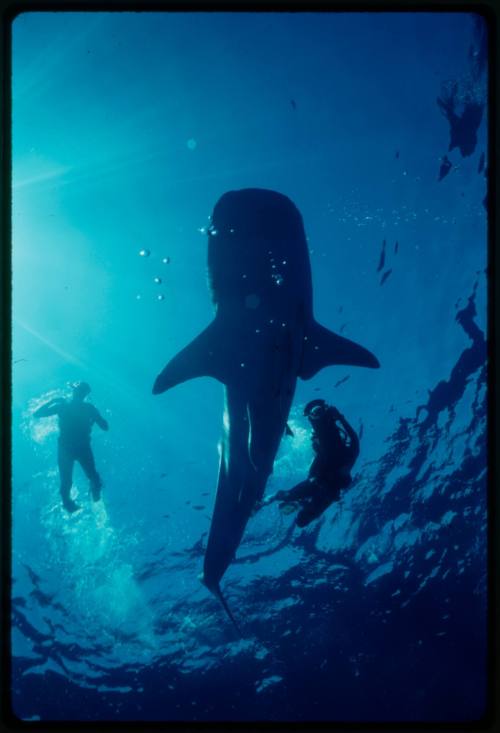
point(324, 348)
point(204, 357)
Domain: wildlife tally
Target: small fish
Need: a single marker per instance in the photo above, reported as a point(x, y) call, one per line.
point(35, 579)
point(293, 103)
point(382, 257)
point(343, 326)
point(198, 507)
point(341, 381)
point(445, 168)
point(397, 154)
point(341, 308)
point(166, 516)
point(19, 360)
point(162, 475)
point(385, 276)
point(396, 247)
point(361, 430)
point(206, 493)
point(188, 502)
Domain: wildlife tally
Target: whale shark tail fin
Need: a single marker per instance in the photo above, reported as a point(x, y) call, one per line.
point(205, 356)
point(324, 348)
point(218, 593)
point(215, 589)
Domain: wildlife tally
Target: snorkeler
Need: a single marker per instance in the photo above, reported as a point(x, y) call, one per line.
point(76, 419)
point(337, 447)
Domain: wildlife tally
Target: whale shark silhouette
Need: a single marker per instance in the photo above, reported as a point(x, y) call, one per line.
point(263, 337)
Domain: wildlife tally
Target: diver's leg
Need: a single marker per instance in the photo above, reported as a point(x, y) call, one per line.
point(86, 461)
point(308, 514)
point(316, 506)
point(303, 490)
point(65, 461)
point(298, 492)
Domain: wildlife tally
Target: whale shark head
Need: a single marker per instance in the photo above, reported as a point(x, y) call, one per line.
point(257, 249)
point(257, 212)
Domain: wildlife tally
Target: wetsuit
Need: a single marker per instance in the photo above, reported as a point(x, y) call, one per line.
point(75, 422)
point(336, 448)
point(76, 419)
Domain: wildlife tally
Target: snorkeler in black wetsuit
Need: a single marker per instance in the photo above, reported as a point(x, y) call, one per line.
point(337, 447)
point(76, 419)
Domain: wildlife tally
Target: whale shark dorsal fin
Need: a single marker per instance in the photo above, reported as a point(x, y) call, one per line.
point(324, 348)
point(205, 356)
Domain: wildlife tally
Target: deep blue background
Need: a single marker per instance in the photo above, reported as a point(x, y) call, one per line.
point(126, 130)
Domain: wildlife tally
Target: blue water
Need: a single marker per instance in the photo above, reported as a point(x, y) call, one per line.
point(127, 128)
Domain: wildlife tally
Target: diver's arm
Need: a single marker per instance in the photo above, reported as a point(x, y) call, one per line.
point(103, 424)
point(49, 408)
point(353, 436)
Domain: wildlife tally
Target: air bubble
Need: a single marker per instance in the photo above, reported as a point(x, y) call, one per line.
point(242, 364)
point(257, 330)
point(144, 253)
point(160, 297)
point(138, 296)
point(278, 279)
point(166, 260)
point(157, 280)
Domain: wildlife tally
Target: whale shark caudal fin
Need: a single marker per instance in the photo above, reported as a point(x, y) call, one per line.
point(324, 348)
point(206, 356)
point(215, 589)
point(218, 593)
